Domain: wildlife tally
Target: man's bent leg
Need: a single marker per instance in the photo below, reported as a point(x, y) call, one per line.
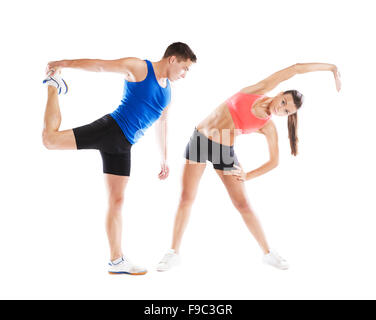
point(52, 137)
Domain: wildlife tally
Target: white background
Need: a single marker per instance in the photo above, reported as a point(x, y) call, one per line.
point(317, 209)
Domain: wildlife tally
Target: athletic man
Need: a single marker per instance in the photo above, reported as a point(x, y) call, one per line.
point(145, 100)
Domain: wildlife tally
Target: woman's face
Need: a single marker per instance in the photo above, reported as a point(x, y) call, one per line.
point(282, 105)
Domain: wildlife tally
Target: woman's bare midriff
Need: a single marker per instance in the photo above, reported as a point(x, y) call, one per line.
point(219, 126)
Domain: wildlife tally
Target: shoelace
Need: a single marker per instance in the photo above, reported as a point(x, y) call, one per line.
point(124, 260)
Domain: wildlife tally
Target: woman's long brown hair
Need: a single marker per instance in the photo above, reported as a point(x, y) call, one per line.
point(292, 121)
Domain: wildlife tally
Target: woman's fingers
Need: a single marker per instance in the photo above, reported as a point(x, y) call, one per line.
point(164, 173)
point(239, 173)
point(337, 77)
point(236, 173)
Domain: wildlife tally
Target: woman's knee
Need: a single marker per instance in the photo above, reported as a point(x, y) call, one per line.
point(242, 205)
point(187, 198)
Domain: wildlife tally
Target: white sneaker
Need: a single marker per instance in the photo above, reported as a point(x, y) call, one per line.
point(58, 82)
point(275, 260)
point(125, 266)
point(169, 260)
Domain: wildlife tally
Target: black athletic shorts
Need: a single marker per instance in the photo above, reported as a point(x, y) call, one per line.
point(106, 136)
point(200, 149)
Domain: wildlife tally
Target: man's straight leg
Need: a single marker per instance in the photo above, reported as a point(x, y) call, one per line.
point(115, 186)
point(114, 225)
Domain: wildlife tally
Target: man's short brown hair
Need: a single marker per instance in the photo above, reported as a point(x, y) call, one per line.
point(181, 50)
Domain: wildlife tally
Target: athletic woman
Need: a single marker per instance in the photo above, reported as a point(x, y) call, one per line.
point(249, 110)
point(145, 100)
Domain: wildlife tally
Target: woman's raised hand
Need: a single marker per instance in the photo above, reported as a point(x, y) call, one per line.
point(337, 78)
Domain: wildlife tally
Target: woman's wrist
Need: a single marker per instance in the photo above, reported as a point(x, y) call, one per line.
point(333, 68)
point(248, 176)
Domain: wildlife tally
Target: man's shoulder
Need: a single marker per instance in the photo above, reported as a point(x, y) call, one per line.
point(137, 68)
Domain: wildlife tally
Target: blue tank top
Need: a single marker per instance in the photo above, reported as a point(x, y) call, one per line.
point(142, 104)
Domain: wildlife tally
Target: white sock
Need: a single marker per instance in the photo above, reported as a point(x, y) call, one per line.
point(117, 261)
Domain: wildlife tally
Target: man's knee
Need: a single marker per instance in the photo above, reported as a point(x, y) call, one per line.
point(49, 139)
point(116, 201)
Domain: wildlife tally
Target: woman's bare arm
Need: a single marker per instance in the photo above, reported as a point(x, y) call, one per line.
point(276, 78)
point(270, 132)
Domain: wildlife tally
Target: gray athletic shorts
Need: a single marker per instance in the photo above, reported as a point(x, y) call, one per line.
point(201, 149)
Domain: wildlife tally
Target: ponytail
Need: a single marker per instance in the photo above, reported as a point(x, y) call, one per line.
point(292, 121)
point(292, 125)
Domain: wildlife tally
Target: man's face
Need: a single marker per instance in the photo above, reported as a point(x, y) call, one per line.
point(178, 69)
